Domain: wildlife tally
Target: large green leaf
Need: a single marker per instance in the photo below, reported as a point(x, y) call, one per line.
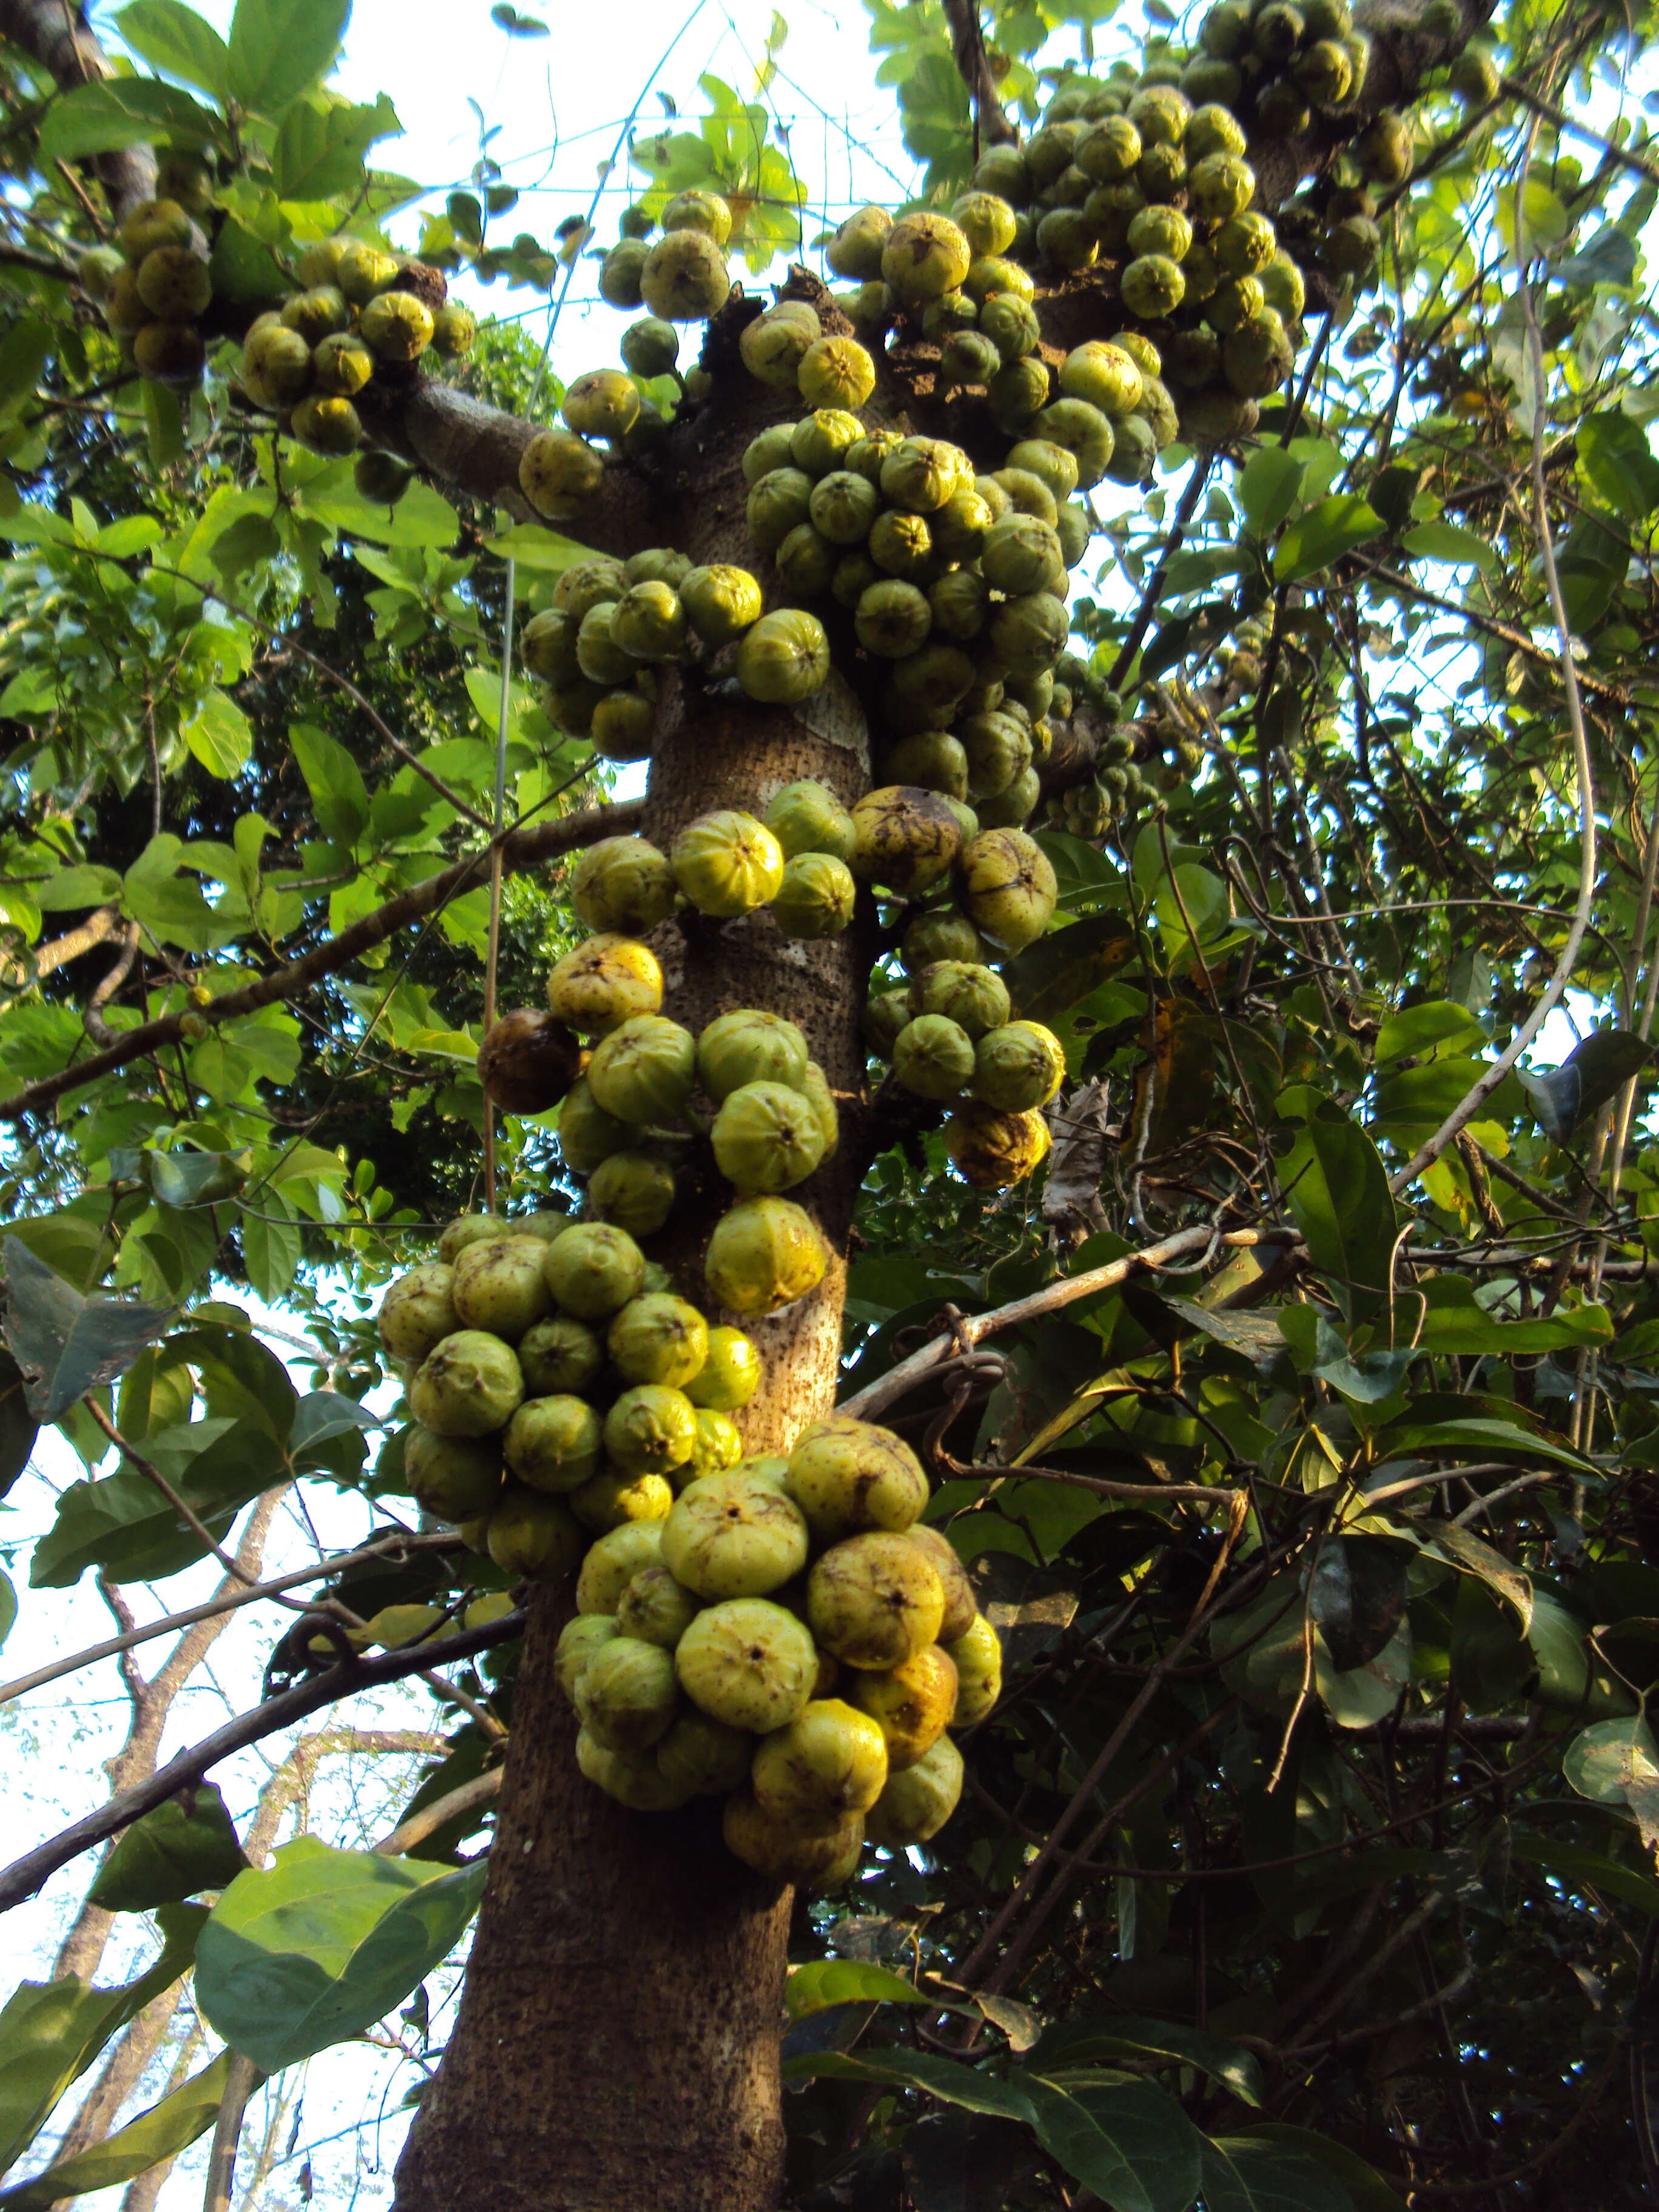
point(51, 2032)
point(279, 48)
point(118, 112)
point(1121, 2035)
point(825, 1982)
point(948, 2079)
point(1243, 2174)
point(123, 1524)
point(67, 1345)
point(1128, 2141)
point(1367, 2190)
point(18, 1428)
point(1324, 534)
point(320, 1945)
point(163, 2132)
point(174, 37)
point(1594, 1071)
point(1049, 978)
point(1584, 1870)
point(1337, 1188)
point(186, 1846)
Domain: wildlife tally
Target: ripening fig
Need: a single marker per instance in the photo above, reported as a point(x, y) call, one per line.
point(342, 366)
point(363, 271)
point(977, 1653)
point(626, 1695)
point(579, 1639)
point(940, 935)
point(657, 1338)
point(765, 1252)
point(730, 1535)
point(836, 372)
point(622, 886)
point(533, 1535)
point(847, 1476)
point(1007, 887)
point(612, 1562)
point(933, 1058)
point(174, 283)
point(993, 1151)
point(454, 331)
point(773, 346)
point(816, 898)
point(750, 1046)
point(643, 1072)
point(152, 224)
point(552, 1445)
point(497, 1285)
point(602, 403)
point(468, 1385)
point(966, 992)
point(766, 1136)
point(829, 1762)
point(633, 1779)
point(610, 1500)
point(527, 1061)
point(683, 278)
point(587, 1134)
point(855, 251)
point(656, 1608)
point(633, 1190)
point(649, 623)
point(593, 1270)
point(326, 426)
point(457, 1478)
point(784, 658)
point(961, 1608)
point(918, 1800)
point(1018, 1067)
point(603, 983)
point(468, 1229)
point(813, 1859)
point(276, 366)
point(815, 1087)
point(912, 1704)
point(559, 1355)
point(558, 474)
point(417, 1312)
point(721, 601)
point(904, 839)
point(874, 1600)
point(719, 1446)
point(704, 1758)
point(924, 256)
point(885, 1017)
point(729, 1375)
point(651, 1429)
point(727, 863)
point(397, 326)
point(748, 1662)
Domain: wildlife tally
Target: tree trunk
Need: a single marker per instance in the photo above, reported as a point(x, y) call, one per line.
point(617, 2042)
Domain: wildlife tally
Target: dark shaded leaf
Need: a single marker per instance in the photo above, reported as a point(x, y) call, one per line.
point(1082, 2042)
point(1593, 1072)
point(161, 2133)
point(1337, 1188)
point(67, 1345)
point(1051, 976)
point(184, 1846)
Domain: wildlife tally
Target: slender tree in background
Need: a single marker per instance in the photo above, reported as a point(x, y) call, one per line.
point(1144, 673)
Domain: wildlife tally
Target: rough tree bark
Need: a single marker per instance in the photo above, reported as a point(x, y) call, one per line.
point(617, 2044)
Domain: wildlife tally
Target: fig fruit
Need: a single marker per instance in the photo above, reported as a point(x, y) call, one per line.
point(726, 862)
point(559, 1355)
point(704, 1758)
point(721, 601)
point(829, 1762)
point(976, 1653)
point(457, 1478)
point(766, 1137)
point(650, 1429)
point(527, 1061)
point(468, 1385)
point(912, 1704)
point(747, 1662)
point(960, 1608)
point(729, 1375)
point(732, 1535)
point(644, 1071)
point(417, 1312)
point(626, 1695)
point(783, 658)
point(587, 1134)
point(497, 1285)
point(612, 1562)
point(765, 1252)
point(995, 1151)
point(611, 1500)
point(552, 1445)
point(622, 886)
point(750, 1046)
point(603, 982)
point(816, 898)
point(933, 1058)
point(847, 1476)
point(918, 1800)
point(594, 1271)
point(1018, 1067)
point(1007, 887)
point(633, 1190)
point(579, 1639)
point(903, 838)
point(533, 1536)
point(874, 1600)
point(811, 1858)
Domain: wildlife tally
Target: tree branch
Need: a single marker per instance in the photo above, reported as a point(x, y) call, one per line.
point(520, 849)
point(968, 45)
point(430, 1818)
point(24, 1877)
point(60, 39)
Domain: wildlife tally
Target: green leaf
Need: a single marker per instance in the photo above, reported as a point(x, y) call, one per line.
point(219, 736)
point(1593, 1071)
point(164, 423)
point(23, 354)
point(826, 1982)
point(118, 112)
point(1324, 534)
point(1243, 2174)
point(1477, 1438)
point(1454, 1322)
point(1475, 1556)
point(1128, 2141)
point(174, 38)
point(278, 48)
point(123, 1523)
point(946, 2079)
point(1082, 2042)
point(317, 1946)
point(67, 1345)
point(1367, 2190)
point(1587, 1870)
point(1337, 1188)
point(163, 2132)
point(8, 1606)
point(72, 888)
point(186, 1846)
point(51, 2032)
point(1451, 543)
point(1614, 454)
point(1268, 486)
point(320, 147)
point(1050, 977)
point(339, 797)
point(1617, 1763)
point(18, 1428)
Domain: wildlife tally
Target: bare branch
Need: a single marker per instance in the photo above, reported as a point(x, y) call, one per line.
point(25, 1876)
point(419, 1826)
point(520, 849)
point(968, 45)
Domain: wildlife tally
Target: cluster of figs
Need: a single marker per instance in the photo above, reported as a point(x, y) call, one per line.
point(780, 1631)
